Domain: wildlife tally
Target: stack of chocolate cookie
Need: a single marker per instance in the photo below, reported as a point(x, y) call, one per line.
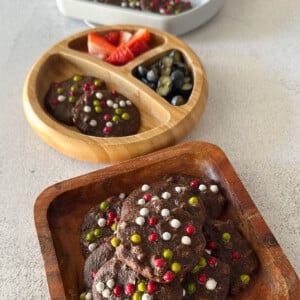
point(86, 102)
point(163, 241)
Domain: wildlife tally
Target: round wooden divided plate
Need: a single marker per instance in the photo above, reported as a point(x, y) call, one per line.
point(162, 124)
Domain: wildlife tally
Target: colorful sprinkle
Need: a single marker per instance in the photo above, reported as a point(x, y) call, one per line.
point(186, 240)
point(144, 211)
point(166, 195)
point(226, 237)
point(135, 238)
point(165, 212)
point(141, 286)
point(145, 187)
point(211, 284)
point(159, 262)
point(191, 288)
point(193, 200)
point(110, 283)
point(202, 187)
point(167, 253)
point(166, 236)
point(129, 289)
point(100, 287)
point(140, 221)
point(115, 242)
point(151, 287)
point(104, 205)
point(202, 278)
point(245, 278)
point(175, 223)
point(118, 290)
point(214, 188)
point(152, 221)
point(176, 267)
point(168, 276)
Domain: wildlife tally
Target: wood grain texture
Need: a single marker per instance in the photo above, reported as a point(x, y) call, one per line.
point(59, 211)
point(162, 124)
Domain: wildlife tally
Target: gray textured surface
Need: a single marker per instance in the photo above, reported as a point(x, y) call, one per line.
point(251, 52)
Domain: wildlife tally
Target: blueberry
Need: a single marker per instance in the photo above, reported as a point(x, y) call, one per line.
point(178, 100)
point(177, 78)
point(152, 75)
point(176, 55)
point(141, 71)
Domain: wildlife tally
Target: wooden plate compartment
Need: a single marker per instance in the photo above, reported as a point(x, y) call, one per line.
point(162, 123)
point(59, 211)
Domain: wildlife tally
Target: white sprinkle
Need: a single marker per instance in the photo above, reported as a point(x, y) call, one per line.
point(106, 293)
point(183, 292)
point(109, 103)
point(166, 236)
point(61, 98)
point(214, 188)
point(145, 187)
point(144, 211)
point(110, 283)
point(202, 187)
point(122, 103)
point(154, 198)
point(166, 195)
point(131, 4)
point(87, 109)
point(165, 212)
point(99, 95)
point(186, 240)
point(140, 221)
point(122, 196)
point(208, 251)
point(115, 105)
point(101, 222)
point(141, 201)
point(88, 296)
point(128, 102)
point(175, 223)
point(100, 286)
point(92, 247)
point(210, 284)
point(109, 124)
point(124, 4)
point(93, 123)
point(146, 297)
point(178, 189)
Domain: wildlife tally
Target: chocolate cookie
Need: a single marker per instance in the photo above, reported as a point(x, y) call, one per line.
point(209, 192)
point(209, 279)
point(62, 96)
point(94, 262)
point(160, 232)
point(106, 114)
point(99, 223)
point(115, 280)
point(226, 243)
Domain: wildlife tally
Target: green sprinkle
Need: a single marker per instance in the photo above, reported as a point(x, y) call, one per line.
point(90, 236)
point(136, 238)
point(193, 200)
point(104, 205)
point(176, 267)
point(97, 82)
point(74, 87)
point(116, 118)
point(118, 111)
point(196, 269)
point(125, 116)
point(202, 262)
point(191, 288)
point(96, 102)
point(115, 242)
point(59, 90)
point(72, 99)
point(98, 109)
point(245, 278)
point(168, 254)
point(77, 78)
point(114, 227)
point(82, 296)
point(141, 286)
point(226, 237)
point(97, 232)
point(137, 296)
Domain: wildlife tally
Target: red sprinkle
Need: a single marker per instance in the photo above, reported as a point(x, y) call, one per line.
point(86, 87)
point(212, 262)
point(159, 262)
point(114, 92)
point(129, 289)
point(147, 197)
point(202, 278)
point(107, 117)
point(111, 214)
point(116, 219)
point(107, 130)
point(93, 87)
point(102, 103)
point(109, 222)
point(211, 245)
point(152, 221)
point(169, 276)
point(57, 85)
point(190, 230)
point(54, 102)
point(235, 255)
point(153, 237)
point(118, 290)
point(151, 287)
point(194, 183)
point(94, 274)
point(72, 93)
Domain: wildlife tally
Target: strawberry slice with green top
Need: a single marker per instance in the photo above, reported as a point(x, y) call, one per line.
point(121, 56)
point(99, 46)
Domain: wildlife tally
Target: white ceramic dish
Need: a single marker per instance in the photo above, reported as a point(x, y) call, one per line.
point(105, 14)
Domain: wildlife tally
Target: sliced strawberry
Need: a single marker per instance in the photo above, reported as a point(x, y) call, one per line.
point(125, 36)
point(99, 46)
point(138, 47)
point(113, 37)
point(141, 34)
point(120, 56)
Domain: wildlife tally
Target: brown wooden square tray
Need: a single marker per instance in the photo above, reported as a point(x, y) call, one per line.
point(59, 211)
